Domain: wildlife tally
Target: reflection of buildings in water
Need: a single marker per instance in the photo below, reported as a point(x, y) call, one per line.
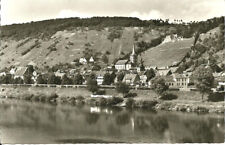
point(99, 110)
point(95, 110)
point(107, 111)
point(218, 124)
point(12, 107)
point(132, 123)
point(167, 136)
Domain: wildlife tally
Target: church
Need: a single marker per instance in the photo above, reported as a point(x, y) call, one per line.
point(127, 64)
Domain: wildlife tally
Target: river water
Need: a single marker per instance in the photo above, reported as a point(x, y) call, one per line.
point(27, 122)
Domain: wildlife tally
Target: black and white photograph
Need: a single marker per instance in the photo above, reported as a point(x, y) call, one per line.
point(112, 71)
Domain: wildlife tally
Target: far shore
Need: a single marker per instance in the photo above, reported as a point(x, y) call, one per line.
point(186, 101)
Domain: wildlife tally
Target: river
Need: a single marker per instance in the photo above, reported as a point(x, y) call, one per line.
point(26, 122)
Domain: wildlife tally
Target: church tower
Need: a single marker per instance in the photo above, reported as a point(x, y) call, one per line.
point(133, 57)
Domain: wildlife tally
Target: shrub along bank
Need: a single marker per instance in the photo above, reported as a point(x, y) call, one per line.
point(171, 101)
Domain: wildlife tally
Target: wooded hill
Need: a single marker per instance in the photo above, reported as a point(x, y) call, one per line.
point(51, 42)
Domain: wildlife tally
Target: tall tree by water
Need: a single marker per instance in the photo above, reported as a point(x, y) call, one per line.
point(203, 80)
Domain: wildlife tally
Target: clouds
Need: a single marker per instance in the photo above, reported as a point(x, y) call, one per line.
point(18, 11)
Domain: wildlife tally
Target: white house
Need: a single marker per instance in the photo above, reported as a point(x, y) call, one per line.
point(20, 72)
point(59, 74)
point(91, 60)
point(12, 71)
point(2, 74)
point(100, 77)
point(83, 60)
point(177, 80)
point(143, 79)
point(123, 65)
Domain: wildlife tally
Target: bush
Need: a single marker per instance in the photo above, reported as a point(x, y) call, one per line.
point(51, 98)
point(168, 96)
point(27, 97)
point(103, 102)
point(100, 92)
point(63, 99)
point(130, 95)
point(92, 101)
point(72, 100)
point(42, 97)
point(36, 98)
point(130, 103)
point(216, 97)
point(80, 98)
point(148, 104)
point(114, 101)
point(202, 109)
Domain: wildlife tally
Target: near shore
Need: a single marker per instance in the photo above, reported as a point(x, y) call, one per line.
point(185, 101)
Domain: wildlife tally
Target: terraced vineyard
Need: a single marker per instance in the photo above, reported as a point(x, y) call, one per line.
point(168, 53)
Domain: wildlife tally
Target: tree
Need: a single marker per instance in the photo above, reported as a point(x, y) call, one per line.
point(96, 67)
point(41, 80)
point(66, 80)
point(28, 79)
point(78, 79)
point(112, 77)
point(120, 77)
point(54, 79)
point(107, 79)
point(159, 85)
point(18, 81)
point(92, 85)
point(150, 74)
point(92, 76)
point(203, 80)
point(30, 69)
point(122, 88)
point(8, 79)
point(105, 59)
point(142, 67)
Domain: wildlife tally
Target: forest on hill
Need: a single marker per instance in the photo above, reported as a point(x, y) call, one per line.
point(45, 29)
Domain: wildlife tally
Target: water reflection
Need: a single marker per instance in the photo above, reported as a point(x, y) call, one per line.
point(23, 122)
point(92, 118)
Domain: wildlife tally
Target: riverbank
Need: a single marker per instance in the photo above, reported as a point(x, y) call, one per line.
point(185, 101)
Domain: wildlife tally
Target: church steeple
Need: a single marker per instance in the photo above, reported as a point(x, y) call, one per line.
point(133, 51)
point(133, 56)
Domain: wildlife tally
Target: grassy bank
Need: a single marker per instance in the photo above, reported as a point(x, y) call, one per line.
point(184, 101)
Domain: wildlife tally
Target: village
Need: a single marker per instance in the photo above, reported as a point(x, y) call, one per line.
point(128, 71)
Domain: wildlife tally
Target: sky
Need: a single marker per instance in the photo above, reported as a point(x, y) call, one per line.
point(21, 11)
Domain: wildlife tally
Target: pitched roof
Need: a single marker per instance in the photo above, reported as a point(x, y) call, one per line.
point(32, 63)
point(180, 75)
point(121, 62)
point(220, 79)
point(168, 79)
point(173, 69)
point(91, 59)
point(100, 73)
point(163, 72)
point(20, 71)
point(130, 77)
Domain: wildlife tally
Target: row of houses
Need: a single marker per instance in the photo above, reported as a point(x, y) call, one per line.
point(140, 79)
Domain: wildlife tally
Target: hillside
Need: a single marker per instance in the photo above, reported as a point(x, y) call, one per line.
point(168, 53)
point(66, 46)
point(208, 50)
point(51, 42)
